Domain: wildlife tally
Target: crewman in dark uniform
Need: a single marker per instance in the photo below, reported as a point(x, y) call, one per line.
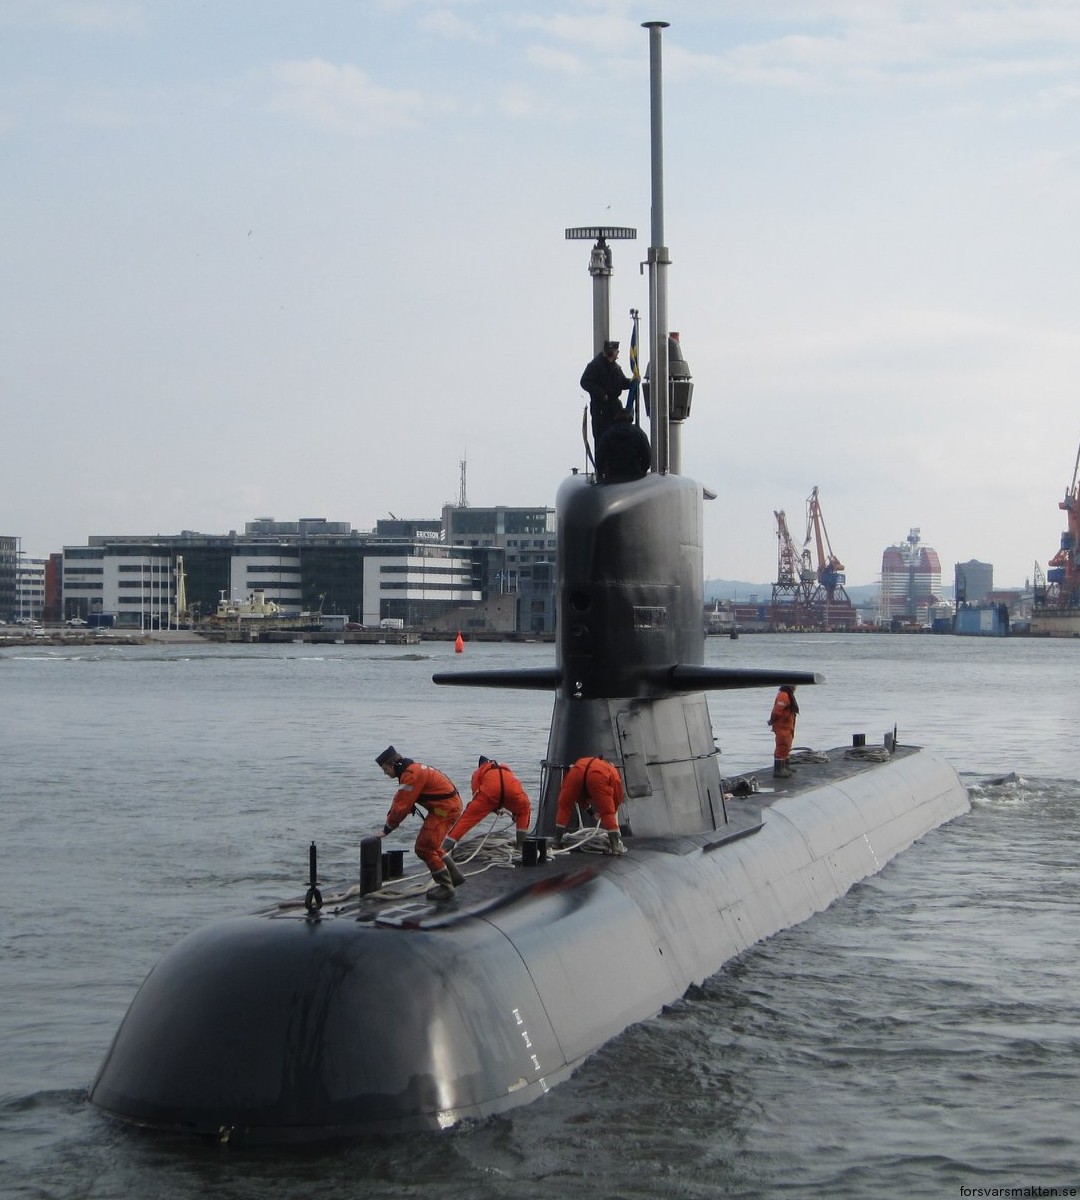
point(605, 382)
point(623, 453)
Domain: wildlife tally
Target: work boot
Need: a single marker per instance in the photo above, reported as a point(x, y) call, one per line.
point(457, 877)
point(615, 843)
point(781, 769)
point(560, 833)
point(444, 885)
point(520, 837)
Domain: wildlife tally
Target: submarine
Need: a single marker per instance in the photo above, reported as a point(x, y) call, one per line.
point(366, 1009)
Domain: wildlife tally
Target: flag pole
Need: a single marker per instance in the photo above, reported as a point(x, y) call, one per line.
point(632, 404)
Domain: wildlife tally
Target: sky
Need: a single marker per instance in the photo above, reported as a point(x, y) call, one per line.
point(297, 258)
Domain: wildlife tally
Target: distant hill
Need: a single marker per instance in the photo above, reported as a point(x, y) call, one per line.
point(736, 589)
point(861, 594)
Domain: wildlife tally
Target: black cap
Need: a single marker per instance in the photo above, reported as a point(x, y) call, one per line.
point(483, 760)
point(610, 346)
point(389, 755)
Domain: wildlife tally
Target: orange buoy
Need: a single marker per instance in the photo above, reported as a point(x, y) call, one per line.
point(459, 644)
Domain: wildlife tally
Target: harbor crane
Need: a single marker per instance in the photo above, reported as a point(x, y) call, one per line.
point(795, 579)
point(1063, 577)
point(830, 570)
point(809, 591)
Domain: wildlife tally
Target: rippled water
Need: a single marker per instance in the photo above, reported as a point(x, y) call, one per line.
point(921, 1036)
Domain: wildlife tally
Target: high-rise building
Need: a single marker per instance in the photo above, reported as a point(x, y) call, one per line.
point(910, 582)
point(9, 569)
point(973, 581)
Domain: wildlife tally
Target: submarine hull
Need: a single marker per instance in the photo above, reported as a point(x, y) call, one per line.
point(292, 1026)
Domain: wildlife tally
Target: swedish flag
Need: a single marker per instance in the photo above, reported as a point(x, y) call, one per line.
point(635, 369)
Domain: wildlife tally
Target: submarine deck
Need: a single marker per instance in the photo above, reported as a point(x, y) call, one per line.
point(496, 876)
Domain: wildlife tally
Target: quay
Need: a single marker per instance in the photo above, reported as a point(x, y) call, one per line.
point(62, 635)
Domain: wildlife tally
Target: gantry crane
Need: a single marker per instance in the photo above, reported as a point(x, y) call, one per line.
point(809, 594)
point(1063, 577)
point(795, 579)
point(830, 570)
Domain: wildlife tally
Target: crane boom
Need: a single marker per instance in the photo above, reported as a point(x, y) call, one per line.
point(787, 556)
point(829, 567)
point(792, 568)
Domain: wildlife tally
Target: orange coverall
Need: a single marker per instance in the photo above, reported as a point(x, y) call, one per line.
point(431, 790)
point(494, 786)
point(782, 721)
point(594, 782)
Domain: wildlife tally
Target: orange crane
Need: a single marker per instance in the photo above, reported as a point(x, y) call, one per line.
point(830, 570)
point(1063, 577)
point(809, 595)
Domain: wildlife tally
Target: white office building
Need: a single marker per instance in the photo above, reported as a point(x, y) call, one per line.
point(30, 589)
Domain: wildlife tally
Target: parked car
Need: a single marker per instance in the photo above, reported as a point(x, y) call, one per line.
point(76, 621)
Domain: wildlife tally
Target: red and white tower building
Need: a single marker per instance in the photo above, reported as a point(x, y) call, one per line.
point(910, 582)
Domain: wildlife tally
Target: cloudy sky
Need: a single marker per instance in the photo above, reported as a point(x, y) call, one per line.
point(303, 257)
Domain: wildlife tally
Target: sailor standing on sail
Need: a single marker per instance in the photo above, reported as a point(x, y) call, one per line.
point(605, 382)
point(429, 789)
point(623, 453)
point(782, 719)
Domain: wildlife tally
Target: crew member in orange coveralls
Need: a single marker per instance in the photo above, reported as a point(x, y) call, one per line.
point(784, 711)
point(494, 787)
point(597, 783)
point(424, 787)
